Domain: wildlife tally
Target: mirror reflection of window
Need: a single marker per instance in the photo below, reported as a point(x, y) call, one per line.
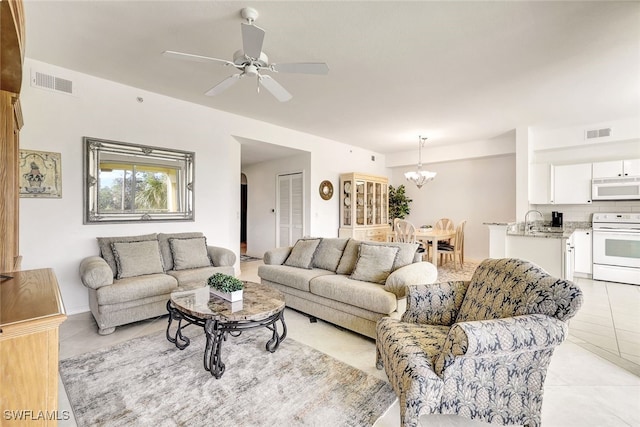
point(135, 187)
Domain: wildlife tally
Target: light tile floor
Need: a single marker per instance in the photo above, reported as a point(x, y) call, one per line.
point(609, 322)
point(581, 389)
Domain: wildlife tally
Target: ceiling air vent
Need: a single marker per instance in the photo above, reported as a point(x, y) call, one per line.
point(597, 133)
point(50, 82)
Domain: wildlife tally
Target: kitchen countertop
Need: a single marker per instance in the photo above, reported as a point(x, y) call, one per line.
point(545, 231)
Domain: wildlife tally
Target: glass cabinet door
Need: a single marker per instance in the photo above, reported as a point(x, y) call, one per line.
point(384, 204)
point(346, 202)
point(378, 204)
point(369, 200)
point(360, 199)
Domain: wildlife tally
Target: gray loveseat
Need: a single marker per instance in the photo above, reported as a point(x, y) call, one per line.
point(132, 278)
point(347, 282)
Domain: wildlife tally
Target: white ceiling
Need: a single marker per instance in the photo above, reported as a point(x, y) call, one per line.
point(453, 71)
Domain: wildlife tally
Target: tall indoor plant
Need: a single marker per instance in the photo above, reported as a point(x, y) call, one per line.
point(399, 203)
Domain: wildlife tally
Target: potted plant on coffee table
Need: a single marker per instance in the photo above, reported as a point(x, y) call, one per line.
point(225, 286)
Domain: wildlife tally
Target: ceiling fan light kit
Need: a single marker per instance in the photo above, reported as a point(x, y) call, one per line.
point(251, 61)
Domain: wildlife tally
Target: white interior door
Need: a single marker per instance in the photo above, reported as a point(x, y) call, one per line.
point(290, 214)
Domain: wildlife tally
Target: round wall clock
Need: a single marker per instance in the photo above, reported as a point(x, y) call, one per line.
point(326, 190)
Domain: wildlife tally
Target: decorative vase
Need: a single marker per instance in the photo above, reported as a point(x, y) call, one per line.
point(229, 296)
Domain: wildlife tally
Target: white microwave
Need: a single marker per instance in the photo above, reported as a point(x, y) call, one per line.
point(625, 188)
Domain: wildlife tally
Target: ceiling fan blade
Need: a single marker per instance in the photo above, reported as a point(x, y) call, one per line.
point(252, 39)
point(191, 57)
point(275, 88)
point(223, 85)
point(302, 67)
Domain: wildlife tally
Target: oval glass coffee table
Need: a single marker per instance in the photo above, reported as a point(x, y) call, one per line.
point(260, 306)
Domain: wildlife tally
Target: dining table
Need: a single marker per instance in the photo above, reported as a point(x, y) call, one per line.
point(429, 236)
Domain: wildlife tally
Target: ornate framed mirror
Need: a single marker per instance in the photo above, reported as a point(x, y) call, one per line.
point(129, 182)
point(326, 190)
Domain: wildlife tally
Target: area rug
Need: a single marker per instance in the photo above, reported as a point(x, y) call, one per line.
point(147, 381)
point(447, 272)
point(247, 258)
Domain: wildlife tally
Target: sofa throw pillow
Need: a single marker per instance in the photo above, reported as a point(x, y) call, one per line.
point(349, 257)
point(106, 252)
point(165, 248)
point(302, 253)
point(137, 258)
point(189, 253)
point(329, 252)
point(375, 263)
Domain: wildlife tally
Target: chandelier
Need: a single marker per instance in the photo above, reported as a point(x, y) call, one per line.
point(420, 177)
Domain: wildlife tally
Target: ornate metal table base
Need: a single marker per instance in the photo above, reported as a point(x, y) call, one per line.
point(216, 331)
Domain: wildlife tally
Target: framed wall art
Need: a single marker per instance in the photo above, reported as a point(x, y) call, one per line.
point(40, 174)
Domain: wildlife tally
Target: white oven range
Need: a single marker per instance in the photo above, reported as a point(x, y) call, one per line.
point(616, 247)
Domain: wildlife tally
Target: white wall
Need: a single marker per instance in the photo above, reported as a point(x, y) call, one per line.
point(477, 190)
point(617, 150)
point(622, 129)
point(325, 162)
point(261, 200)
point(433, 153)
point(51, 230)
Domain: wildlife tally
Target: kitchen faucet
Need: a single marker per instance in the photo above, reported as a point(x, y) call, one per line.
point(527, 226)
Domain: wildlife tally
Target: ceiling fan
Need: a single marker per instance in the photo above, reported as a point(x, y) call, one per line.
point(251, 61)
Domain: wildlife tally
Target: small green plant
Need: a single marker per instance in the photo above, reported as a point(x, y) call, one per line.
point(398, 203)
point(225, 283)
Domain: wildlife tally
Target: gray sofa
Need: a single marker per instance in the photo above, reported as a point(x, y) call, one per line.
point(346, 282)
point(133, 277)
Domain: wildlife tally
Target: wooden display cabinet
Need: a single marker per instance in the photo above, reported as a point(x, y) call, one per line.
point(31, 311)
point(364, 207)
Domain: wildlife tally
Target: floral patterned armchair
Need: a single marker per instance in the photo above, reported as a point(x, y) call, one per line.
point(480, 348)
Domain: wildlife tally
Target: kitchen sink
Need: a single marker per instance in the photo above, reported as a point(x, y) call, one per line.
point(546, 231)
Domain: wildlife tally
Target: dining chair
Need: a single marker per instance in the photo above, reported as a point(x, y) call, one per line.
point(444, 224)
point(405, 232)
point(454, 249)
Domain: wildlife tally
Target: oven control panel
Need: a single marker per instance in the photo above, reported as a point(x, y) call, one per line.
point(624, 218)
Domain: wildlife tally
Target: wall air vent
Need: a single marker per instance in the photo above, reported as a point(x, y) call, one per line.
point(597, 133)
point(52, 83)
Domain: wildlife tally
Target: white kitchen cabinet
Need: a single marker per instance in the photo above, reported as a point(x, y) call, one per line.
point(631, 167)
point(571, 184)
point(540, 184)
point(616, 168)
point(582, 252)
point(569, 258)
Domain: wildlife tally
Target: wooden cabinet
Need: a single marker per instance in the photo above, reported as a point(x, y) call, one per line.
point(31, 311)
point(572, 184)
point(616, 168)
point(364, 206)
point(11, 54)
